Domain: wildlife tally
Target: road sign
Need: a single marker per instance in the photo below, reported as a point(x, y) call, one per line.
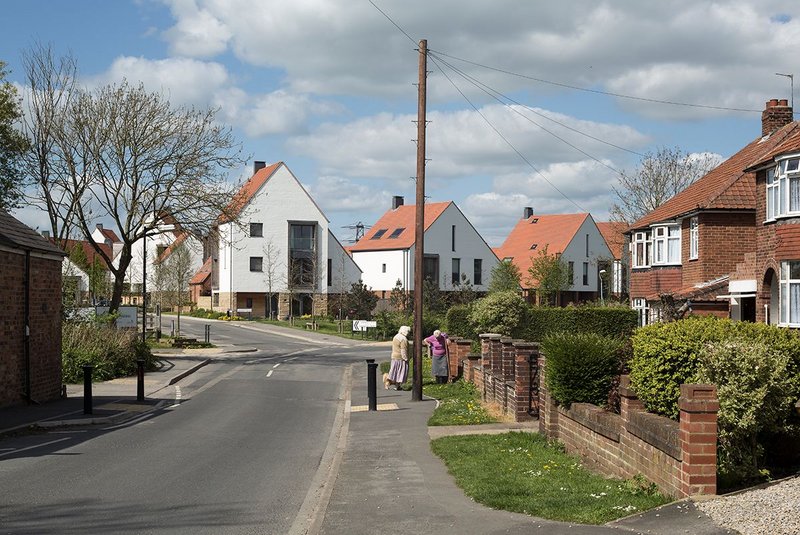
point(361, 325)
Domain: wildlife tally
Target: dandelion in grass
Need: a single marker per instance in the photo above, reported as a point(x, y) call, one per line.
point(626, 508)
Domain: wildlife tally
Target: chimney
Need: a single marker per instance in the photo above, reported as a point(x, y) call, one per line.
point(46, 234)
point(397, 202)
point(776, 114)
point(527, 212)
point(258, 165)
point(99, 226)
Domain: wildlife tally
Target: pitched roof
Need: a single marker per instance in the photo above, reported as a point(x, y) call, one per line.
point(16, 234)
point(531, 235)
point(790, 142)
point(88, 250)
point(726, 187)
point(248, 190)
point(181, 236)
point(614, 234)
point(396, 228)
point(110, 234)
point(203, 273)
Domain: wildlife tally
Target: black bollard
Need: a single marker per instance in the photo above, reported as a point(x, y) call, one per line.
point(140, 380)
point(208, 334)
point(87, 389)
point(372, 392)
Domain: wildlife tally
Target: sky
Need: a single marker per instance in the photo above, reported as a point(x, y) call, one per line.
point(538, 104)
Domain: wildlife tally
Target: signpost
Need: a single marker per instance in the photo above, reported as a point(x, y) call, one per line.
point(362, 325)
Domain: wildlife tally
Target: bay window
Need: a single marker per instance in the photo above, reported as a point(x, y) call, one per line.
point(667, 244)
point(694, 238)
point(783, 189)
point(790, 294)
point(642, 311)
point(640, 249)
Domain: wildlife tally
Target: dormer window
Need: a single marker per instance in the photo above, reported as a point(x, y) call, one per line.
point(378, 235)
point(783, 189)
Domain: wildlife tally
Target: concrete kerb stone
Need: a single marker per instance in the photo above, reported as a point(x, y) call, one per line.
point(188, 372)
point(120, 417)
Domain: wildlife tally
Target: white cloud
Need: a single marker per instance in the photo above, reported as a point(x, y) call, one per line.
point(197, 32)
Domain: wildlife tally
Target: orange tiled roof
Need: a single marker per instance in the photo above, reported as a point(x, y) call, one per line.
point(249, 189)
point(789, 143)
point(110, 234)
point(203, 273)
point(614, 234)
point(181, 236)
point(706, 291)
point(726, 187)
point(88, 250)
point(402, 217)
point(552, 230)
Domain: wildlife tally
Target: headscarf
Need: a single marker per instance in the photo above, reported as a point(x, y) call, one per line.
point(404, 330)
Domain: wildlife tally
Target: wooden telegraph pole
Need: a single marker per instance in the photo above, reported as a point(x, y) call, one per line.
point(419, 231)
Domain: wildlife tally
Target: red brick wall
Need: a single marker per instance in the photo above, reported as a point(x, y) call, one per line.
point(723, 240)
point(45, 325)
point(647, 282)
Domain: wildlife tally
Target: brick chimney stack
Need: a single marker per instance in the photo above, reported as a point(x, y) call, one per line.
point(776, 114)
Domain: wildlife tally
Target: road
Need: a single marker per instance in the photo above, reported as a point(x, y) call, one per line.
point(236, 453)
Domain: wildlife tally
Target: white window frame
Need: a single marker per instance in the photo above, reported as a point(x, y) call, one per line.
point(639, 304)
point(694, 238)
point(640, 249)
point(783, 188)
point(790, 293)
point(666, 245)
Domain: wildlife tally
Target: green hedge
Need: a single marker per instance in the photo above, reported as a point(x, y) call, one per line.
point(458, 323)
point(580, 366)
point(539, 322)
point(112, 352)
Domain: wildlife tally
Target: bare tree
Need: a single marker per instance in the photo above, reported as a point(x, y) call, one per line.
point(126, 154)
point(659, 177)
point(179, 272)
point(549, 274)
point(272, 264)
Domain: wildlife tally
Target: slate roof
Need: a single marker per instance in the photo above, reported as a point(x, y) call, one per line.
point(555, 231)
point(203, 273)
point(727, 187)
point(14, 233)
point(379, 237)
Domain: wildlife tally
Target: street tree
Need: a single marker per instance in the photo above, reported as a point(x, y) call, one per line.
point(179, 273)
point(124, 154)
point(505, 277)
point(400, 299)
point(271, 267)
point(360, 301)
point(660, 176)
point(549, 275)
point(13, 145)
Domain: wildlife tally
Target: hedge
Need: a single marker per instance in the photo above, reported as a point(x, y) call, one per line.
point(539, 322)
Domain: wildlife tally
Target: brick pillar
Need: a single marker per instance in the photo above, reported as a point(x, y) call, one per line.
point(471, 362)
point(698, 406)
point(523, 372)
point(548, 414)
point(486, 349)
point(462, 347)
point(628, 400)
point(507, 359)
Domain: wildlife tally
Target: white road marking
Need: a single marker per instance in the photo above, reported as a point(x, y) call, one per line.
point(269, 374)
point(276, 365)
point(34, 446)
point(177, 397)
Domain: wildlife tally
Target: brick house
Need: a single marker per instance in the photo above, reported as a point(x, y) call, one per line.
point(684, 252)
point(574, 238)
point(766, 284)
point(30, 290)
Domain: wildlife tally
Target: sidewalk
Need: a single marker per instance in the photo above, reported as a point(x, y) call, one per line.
point(390, 482)
point(112, 401)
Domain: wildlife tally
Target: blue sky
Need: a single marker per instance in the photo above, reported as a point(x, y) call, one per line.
point(327, 86)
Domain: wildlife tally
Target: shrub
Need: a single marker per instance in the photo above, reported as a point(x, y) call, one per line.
point(580, 367)
point(755, 395)
point(112, 352)
point(458, 323)
point(388, 322)
point(608, 321)
point(500, 312)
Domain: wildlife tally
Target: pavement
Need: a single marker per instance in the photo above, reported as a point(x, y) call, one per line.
point(378, 474)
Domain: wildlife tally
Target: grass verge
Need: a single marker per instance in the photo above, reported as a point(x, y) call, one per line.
point(522, 472)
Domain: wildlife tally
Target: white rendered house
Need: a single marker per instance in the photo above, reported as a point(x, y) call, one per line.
point(575, 238)
point(453, 248)
point(281, 255)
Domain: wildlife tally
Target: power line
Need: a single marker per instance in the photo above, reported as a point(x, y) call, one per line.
point(530, 164)
point(393, 22)
point(596, 91)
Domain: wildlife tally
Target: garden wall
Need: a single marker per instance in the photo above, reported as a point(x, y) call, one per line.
point(679, 457)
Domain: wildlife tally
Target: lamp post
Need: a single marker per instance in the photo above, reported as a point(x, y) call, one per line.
point(600, 278)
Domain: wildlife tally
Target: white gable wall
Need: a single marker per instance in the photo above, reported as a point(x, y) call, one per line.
point(398, 264)
point(344, 271)
point(576, 252)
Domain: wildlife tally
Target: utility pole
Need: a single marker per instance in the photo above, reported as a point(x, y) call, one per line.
point(419, 251)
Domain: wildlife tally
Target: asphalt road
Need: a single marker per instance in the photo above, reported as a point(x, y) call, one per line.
point(236, 453)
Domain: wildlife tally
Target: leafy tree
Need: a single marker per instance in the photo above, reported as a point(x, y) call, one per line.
point(400, 299)
point(121, 153)
point(505, 277)
point(660, 176)
point(13, 145)
point(549, 274)
point(360, 301)
point(499, 312)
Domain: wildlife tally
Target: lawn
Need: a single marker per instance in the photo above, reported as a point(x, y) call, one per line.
point(522, 472)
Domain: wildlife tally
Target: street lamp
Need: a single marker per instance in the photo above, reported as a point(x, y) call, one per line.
point(600, 278)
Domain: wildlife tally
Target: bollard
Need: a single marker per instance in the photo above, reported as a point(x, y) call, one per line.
point(140, 380)
point(87, 389)
point(372, 392)
point(208, 334)
point(172, 333)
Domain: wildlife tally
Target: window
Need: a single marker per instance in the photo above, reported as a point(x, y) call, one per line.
point(667, 244)
point(248, 303)
point(790, 294)
point(587, 246)
point(534, 246)
point(453, 238)
point(694, 238)
point(256, 263)
point(330, 272)
point(642, 311)
point(215, 300)
point(477, 270)
point(378, 235)
point(256, 230)
point(383, 268)
point(456, 271)
point(430, 268)
point(396, 233)
point(302, 255)
point(571, 268)
point(783, 189)
point(640, 249)
point(586, 273)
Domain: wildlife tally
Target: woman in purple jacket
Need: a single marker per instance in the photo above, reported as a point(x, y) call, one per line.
point(438, 344)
